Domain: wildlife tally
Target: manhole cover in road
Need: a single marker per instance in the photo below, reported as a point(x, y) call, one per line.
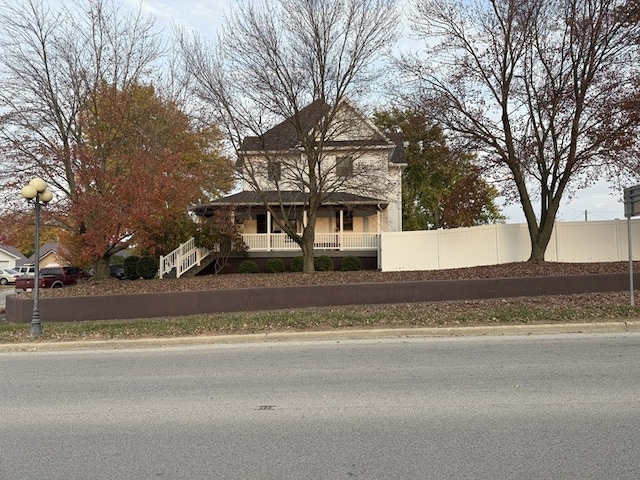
point(266, 407)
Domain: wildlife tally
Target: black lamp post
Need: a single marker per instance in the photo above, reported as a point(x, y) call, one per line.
point(37, 191)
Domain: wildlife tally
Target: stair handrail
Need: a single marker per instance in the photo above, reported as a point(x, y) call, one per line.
point(183, 258)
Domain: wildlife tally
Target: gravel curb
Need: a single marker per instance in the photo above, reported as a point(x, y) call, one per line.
point(597, 327)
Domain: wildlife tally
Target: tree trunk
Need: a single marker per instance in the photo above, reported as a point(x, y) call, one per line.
point(308, 238)
point(538, 249)
point(541, 235)
point(102, 268)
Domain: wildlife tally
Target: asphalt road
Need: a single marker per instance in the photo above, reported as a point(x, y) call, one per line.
point(538, 407)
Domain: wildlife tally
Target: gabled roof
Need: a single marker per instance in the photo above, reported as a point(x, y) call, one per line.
point(45, 249)
point(12, 252)
point(285, 136)
point(248, 199)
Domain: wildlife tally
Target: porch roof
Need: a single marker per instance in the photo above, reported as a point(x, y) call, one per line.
point(247, 199)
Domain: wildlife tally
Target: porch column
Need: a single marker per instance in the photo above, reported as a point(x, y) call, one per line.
point(341, 229)
point(379, 238)
point(268, 230)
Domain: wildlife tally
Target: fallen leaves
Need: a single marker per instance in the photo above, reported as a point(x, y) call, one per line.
point(233, 281)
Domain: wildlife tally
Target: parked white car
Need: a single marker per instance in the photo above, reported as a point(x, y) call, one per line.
point(8, 276)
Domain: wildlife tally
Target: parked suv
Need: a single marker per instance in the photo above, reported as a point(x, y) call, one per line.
point(26, 270)
point(116, 270)
point(53, 277)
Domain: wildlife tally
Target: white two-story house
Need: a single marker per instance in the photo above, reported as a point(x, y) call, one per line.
point(356, 174)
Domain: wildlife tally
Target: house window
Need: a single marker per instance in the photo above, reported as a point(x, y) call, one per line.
point(274, 170)
point(261, 220)
point(347, 220)
point(344, 166)
point(275, 228)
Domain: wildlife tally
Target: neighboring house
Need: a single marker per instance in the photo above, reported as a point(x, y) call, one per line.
point(49, 255)
point(10, 257)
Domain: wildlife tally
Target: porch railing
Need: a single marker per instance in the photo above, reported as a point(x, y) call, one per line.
point(187, 255)
point(183, 258)
point(324, 241)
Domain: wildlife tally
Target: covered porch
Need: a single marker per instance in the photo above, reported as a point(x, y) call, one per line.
point(345, 222)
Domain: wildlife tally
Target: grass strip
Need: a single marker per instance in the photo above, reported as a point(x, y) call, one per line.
point(434, 314)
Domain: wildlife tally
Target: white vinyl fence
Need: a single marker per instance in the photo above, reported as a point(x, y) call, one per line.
point(599, 241)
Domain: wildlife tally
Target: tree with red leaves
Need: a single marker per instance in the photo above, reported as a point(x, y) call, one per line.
point(78, 110)
point(143, 165)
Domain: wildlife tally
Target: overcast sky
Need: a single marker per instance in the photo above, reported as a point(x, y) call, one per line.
point(205, 16)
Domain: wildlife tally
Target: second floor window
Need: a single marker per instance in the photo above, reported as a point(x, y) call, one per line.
point(274, 171)
point(344, 166)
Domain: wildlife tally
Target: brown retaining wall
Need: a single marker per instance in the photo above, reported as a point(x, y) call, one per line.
point(112, 307)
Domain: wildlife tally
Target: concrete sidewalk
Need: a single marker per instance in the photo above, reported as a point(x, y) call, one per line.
point(596, 327)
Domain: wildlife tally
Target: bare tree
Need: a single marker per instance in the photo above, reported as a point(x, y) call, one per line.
point(53, 61)
point(296, 62)
point(543, 89)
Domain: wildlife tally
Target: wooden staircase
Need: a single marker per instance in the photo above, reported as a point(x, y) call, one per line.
point(183, 259)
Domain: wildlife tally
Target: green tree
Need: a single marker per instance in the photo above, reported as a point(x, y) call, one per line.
point(441, 188)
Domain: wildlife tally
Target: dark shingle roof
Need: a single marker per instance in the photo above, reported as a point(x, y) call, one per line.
point(285, 135)
point(399, 156)
point(288, 198)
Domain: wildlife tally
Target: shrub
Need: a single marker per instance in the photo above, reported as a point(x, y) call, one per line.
point(297, 264)
point(147, 267)
point(130, 269)
point(351, 264)
point(275, 265)
point(248, 266)
point(323, 264)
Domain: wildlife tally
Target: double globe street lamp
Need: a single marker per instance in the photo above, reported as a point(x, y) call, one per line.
point(37, 192)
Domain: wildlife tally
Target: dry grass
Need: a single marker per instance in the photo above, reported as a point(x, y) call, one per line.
point(526, 310)
point(215, 282)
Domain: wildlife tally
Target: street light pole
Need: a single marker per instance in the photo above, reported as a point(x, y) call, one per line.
point(38, 192)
